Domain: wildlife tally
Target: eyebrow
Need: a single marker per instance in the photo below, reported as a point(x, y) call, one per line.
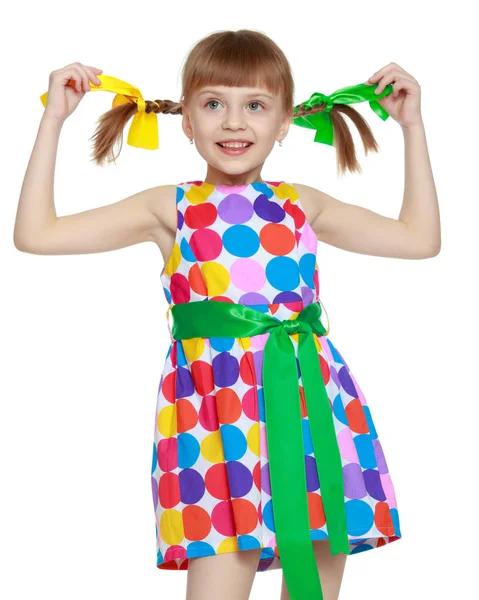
point(218, 93)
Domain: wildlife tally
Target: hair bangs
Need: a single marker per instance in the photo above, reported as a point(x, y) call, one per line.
point(238, 59)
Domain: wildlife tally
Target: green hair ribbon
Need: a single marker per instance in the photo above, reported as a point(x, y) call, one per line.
point(321, 121)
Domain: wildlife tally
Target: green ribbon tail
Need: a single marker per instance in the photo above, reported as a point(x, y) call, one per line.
point(325, 445)
point(287, 468)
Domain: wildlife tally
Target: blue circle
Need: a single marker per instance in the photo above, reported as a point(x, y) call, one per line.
point(338, 410)
point(267, 552)
point(359, 517)
point(395, 520)
point(241, 240)
point(248, 542)
point(361, 548)
point(268, 515)
point(180, 355)
point(263, 188)
point(261, 414)
point(282, 273)
point(199, 549)
point(308, 442)
point(222, 344)
point(234, 442)
point(365, 450)
point(188, 450)
point(369, 420)
point(154, 461)
point(318, 534)
point(307, 265)
point(335, 353)
point(186, 251)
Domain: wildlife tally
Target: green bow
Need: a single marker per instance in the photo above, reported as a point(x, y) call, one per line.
point(284, 425)
point(321, 121)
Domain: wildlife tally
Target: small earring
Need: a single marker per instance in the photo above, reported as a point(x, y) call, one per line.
point(280, 143)
point(191, 140)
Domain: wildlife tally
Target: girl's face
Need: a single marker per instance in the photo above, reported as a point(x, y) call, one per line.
point(218, 113)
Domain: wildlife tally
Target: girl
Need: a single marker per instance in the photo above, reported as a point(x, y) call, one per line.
point(265, 453)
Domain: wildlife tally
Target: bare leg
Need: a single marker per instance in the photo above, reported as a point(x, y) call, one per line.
point(221, 576)
point(330, 568)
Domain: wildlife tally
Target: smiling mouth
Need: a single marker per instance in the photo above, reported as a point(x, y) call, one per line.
point(234, 147)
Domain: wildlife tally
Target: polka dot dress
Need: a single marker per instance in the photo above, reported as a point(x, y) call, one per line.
point(249, 244)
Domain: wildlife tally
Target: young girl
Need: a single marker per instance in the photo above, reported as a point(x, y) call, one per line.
point(265, 452)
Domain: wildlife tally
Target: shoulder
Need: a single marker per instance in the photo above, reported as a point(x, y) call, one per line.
point(161, 202)
point(312, 200)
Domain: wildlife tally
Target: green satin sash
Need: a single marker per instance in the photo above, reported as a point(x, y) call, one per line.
point(284, 427)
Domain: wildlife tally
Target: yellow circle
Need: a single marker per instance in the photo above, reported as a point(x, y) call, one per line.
point(253, 439)
point(212, 447)
point(228, 545)
point(167, 421)
point(193, 348)
point(171, 527)
point(216, 278)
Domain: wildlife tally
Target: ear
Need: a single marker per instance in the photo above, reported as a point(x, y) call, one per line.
point(285, 126)
point(185, 122)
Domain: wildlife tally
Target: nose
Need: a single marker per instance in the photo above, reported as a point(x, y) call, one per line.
point(234, 119)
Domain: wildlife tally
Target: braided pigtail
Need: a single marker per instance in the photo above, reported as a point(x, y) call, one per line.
point(111, 125)
point(325, 114)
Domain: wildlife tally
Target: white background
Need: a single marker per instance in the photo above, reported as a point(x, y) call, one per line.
point(84, 337)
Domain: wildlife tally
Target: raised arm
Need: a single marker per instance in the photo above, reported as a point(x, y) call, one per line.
point(38, 230)
point(415, 234)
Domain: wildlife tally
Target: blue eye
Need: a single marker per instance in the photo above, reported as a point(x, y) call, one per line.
point(258, 103)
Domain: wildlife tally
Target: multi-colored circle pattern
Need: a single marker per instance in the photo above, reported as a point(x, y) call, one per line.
point(211, 489)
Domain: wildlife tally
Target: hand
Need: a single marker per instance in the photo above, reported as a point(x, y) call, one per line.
point(404, 103)
point(66, 88)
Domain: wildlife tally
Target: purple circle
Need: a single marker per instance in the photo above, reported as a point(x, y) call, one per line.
point(334, 375)
point(287, 297)
point(240, 479)
point(268, 210)
point(225, 369)
point(347, 383)
point(312, 479)
point(265, 479)
point(235, 209)
point(184, 383)
point(354, 487)
point(252, 298)
point(192, 486)
point(307, 294)
point(374, 485)
point(154, 490)
point(258, 357)
point(380, 458)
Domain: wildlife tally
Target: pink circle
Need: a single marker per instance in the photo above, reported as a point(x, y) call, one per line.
point(388, 488)
point(222, 518)
point(347, 448)
point(247, 274)
point(259, 341)
point(231, 189)
point(309, 239)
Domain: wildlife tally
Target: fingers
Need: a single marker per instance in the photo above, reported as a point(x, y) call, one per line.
point(84, 74)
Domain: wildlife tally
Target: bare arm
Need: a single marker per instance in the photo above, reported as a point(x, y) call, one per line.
point(415, 234)
point(38, 230)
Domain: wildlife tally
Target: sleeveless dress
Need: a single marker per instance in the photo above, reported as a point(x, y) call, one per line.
point(249, 244)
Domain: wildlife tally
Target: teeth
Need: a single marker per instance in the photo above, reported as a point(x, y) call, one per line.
point(234, 145)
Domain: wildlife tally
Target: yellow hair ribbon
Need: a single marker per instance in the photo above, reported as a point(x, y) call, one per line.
point(143, 131)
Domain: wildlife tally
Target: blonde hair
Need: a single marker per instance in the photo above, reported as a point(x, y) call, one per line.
point(237, 58)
